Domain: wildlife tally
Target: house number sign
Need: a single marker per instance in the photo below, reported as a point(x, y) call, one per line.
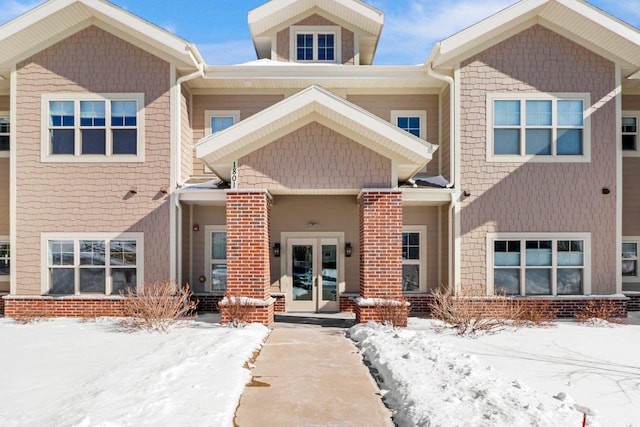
point(234, 176)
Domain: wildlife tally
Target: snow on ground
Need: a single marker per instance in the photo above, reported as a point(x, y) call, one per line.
point(68, 372)
point(433, 377)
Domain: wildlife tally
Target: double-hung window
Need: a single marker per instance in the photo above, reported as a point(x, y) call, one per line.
point(630, 133)
point(538, 127)
point(413, 121)
point(92, 263)
point(315, 44)
point(4, 134)
point(216, 257)
point(630, 245)
point(93, 128)
point(414, 266)
point(5, 259)
point(538, 263)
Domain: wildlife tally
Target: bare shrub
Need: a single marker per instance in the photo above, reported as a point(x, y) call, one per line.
point(604, 310)
point(392, 312)
point(156, 306)
point(539, 313)
point(236, 309)
point(33, 314)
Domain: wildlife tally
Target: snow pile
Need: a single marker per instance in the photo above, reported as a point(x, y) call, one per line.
point(372, 302)
point(428, 383)
point(67, 372)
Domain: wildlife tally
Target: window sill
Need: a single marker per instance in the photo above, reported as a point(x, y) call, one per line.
point(63, 158)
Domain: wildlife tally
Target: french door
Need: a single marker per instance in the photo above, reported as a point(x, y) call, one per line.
point(312, 268)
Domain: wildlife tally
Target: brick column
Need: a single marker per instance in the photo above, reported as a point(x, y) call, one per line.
point(248, 272)
point(380, 249)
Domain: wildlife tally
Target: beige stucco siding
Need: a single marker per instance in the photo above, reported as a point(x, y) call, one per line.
point(91, 197)
point(331, 214)
point(186, 136)
point(382, 105)
point(193, 268)
point(538, 197)
point(4, 196)
point(426, 215)
point(4, 103)
point(247, 105)
point(631, 102)
point(314, 157)
point(444, 151)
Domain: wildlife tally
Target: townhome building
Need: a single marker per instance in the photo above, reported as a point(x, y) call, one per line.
point(311, 180)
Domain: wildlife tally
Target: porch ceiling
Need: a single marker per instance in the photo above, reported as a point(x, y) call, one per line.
point(315, 104)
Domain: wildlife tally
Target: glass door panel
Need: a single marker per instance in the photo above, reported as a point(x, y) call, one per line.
point(302, 272)
point(329, 273)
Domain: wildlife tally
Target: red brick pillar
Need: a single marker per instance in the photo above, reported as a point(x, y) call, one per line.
point(248, 272)
point(380, 250)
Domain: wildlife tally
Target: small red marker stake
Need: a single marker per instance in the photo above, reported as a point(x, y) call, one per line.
point(584, 420)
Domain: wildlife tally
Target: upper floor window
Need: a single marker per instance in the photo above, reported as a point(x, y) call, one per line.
point(413, 121)
point(539, 263)
point(414, 261)
point(92, 263)
point(93, 128)
point(218, 120)
point(4, 132)
point(538, 127)
point(630, 133)
point(315, 44)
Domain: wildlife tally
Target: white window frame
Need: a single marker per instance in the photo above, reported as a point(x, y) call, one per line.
point(6, 278)
point(422, 262)
point(636, 152)
point(636, 240)
point(6, 115)
point(208, 261)
point(585, 157)
point(315, 30)
point(420, 114)
point(554, 237)
point(78, 157)
point(76, 238)
point(208, 115)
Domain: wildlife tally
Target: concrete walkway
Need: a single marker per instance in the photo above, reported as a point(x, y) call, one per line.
point(308, 376)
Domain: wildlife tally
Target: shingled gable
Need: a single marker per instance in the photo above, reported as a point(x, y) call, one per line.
point(271, 17)
point(315, 104)
point(55, 20)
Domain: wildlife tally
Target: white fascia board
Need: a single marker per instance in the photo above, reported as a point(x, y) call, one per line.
point(603, 19)
point(312, 104)
point(32, 16)
point(487, 29)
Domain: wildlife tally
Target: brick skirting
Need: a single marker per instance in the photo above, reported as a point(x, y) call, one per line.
point(63, 307)
point(634, 301)
point(347, 303)
point(279, 306)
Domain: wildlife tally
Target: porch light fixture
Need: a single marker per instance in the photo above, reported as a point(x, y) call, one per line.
point(196, 227)
point(276, 250)
point(133, 190)
point(606, 190)
point(347, 250)
point(313, 224)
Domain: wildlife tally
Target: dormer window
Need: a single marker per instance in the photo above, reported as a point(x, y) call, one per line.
point(315, 44)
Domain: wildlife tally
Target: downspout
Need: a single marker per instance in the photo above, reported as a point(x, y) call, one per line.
point(200, 64)
point(452, 118)
point(452, 166)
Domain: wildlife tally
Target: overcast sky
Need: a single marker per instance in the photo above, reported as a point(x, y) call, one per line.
point(219, 27)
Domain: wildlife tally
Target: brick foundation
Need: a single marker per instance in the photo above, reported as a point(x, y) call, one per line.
point(634, 301)
point(248, 267)
point(347, 303)
point(280, 304)
point(380, 248)
point(207, 303)
point(420, 303)
point(63, 307)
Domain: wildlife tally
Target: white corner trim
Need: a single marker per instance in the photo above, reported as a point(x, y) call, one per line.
point(13, 187)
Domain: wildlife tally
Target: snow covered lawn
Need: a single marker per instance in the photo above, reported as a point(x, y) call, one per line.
point(433, 377)
point(66, 372)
